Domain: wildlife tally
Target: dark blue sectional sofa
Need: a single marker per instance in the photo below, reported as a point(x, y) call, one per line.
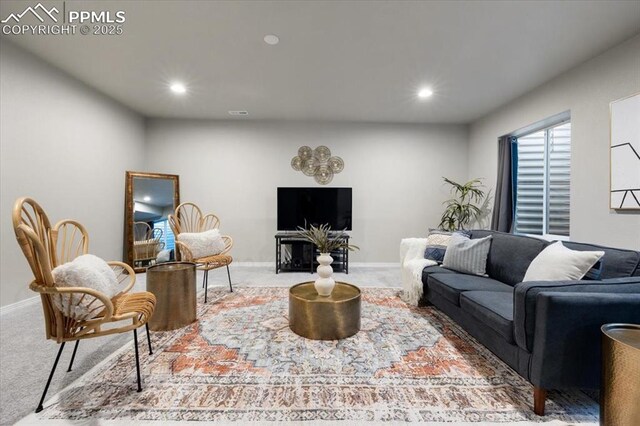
point(548, 331)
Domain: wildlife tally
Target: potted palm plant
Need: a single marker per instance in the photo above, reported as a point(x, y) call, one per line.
point(462, 208)
point(326, 242)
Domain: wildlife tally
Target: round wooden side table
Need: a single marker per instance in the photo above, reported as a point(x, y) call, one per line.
point(324, 317)
point(174, 285)
point(620, 388)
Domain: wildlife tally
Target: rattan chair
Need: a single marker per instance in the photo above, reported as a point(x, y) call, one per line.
point(189, 218)
point(147, 243)
point(46, 247)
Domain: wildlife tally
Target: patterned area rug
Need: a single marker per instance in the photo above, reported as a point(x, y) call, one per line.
point(241, 362)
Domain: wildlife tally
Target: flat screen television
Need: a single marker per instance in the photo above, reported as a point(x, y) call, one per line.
point(300, 207)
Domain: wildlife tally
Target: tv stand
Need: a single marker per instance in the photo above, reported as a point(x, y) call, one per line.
point(301, 255)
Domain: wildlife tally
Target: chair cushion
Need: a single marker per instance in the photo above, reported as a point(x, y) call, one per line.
point(510, 255)
point(87, 271)
point(451, 285)
point(492, 308)
point(616, 263)
point(202, 244)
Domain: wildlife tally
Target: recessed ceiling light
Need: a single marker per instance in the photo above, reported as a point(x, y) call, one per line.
point(271, 39)
point(178, 88)
point(146, 198)
point(238, 113)
point(425, 93)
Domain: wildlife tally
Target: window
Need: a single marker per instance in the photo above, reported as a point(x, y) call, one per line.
point(167, 233)
point(543, 179)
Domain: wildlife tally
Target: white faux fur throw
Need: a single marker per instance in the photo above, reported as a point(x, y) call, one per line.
point(412, 262)
point(203, 244)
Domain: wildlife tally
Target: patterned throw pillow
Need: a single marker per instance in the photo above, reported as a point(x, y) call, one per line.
point(595, 272)
point(436, 245)
point(437, 242)
point(466, 255)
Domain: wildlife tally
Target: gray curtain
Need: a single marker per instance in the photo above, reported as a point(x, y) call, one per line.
point(503, 207)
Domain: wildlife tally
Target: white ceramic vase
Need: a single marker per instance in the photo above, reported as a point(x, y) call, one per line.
point(325, 284)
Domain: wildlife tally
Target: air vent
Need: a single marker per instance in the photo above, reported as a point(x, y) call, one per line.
point(238, 113)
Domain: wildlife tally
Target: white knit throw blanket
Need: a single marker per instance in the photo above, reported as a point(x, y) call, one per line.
point(412, 262)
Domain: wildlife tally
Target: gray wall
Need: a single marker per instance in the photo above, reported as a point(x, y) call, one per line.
point(66, 146)
point(587, 91)
point(233, 168)
point(69, 146)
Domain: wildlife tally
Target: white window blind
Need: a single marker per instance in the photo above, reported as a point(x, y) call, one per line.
point(167, 233)
point(543, 181)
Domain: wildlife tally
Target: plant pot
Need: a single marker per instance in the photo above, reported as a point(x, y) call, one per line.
point(325, 284)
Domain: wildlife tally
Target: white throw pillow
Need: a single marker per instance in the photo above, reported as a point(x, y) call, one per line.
point(558, 263)
point(84, 271)
point(203, 244)
point(163, 256)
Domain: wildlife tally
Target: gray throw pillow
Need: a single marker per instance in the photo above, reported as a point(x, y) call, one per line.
point(466, 255)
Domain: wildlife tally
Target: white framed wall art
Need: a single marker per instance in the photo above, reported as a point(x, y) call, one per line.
point(625, 153)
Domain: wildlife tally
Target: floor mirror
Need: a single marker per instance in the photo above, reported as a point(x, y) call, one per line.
point(149, 199)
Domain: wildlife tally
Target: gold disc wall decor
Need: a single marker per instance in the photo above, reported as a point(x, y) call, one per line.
point(296, 163)
point(305, 152)
point(336, 164)
point(323, 175)
point(309, 166)
point(322, 153)
point(317, 163)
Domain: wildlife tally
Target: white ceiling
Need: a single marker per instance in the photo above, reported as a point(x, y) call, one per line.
point(351, 60)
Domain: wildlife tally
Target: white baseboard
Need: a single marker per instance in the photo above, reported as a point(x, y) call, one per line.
point(351, 264)
point(374, 264)
point(255, 264)
point(21, 304)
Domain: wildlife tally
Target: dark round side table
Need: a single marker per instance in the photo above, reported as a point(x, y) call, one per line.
point(620, 388)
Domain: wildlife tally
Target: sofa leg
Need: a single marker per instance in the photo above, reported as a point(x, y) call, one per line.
point(539, 398)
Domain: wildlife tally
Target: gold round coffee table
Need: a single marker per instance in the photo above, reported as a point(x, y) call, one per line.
point(174, 285)
point(324, 318)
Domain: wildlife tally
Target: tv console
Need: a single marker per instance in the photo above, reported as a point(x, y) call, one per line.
point(301, 255)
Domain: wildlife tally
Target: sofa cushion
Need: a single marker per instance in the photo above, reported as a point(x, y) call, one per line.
point(616, 263)
point(451, 285)
point(510, 255)
point(492, 308)
point(434, 270)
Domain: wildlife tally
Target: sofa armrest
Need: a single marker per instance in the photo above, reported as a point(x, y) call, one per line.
point(525, 296)
point(567, 350)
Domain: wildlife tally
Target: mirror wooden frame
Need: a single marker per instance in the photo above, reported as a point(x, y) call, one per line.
point(127, 253)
